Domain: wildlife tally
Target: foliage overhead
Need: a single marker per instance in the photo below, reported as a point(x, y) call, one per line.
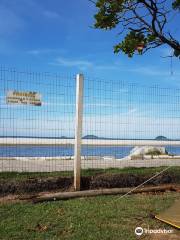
point(176, 4)
point(143, 24)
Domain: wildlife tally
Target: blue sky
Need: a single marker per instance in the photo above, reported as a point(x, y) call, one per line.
point(57, 36)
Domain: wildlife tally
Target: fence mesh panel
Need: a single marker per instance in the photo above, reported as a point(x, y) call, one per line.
point(117, 116)
point(37, 138)
point(120, 115)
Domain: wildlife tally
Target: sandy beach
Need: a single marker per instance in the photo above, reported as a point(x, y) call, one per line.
point(97, 142)
point(57, 164)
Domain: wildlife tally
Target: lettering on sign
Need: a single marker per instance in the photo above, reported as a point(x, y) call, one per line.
point(23, 98)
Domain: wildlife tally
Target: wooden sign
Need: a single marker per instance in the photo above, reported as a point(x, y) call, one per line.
point(23, 98)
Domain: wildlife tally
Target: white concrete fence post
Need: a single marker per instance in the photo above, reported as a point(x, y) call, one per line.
point(78, 131)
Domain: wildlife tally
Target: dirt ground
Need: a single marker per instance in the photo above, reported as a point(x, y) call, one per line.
point(35, 185)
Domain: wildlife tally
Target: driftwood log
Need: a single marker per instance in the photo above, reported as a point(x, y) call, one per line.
point(98, 192)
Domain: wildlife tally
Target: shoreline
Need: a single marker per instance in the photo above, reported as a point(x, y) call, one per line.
point(88, 142)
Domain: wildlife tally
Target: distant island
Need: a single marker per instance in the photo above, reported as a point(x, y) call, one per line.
point(63, 137)
point(162, 138)
point(90, 137)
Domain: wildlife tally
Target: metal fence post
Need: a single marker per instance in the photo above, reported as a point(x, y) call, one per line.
point(78, 131)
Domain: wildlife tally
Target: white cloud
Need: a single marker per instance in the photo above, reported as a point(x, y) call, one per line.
point(58, 104)
point(131, 122)
point(132, 110)
point(117, 126)
point(148, 70)
point(39, 51)
point(34, 52)
point(106, 67)
point(131, 126)
point(95, 105)
point(51, 14)
point(81, 64)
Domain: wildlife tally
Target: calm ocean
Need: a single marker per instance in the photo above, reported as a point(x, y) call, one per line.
point(53, 151)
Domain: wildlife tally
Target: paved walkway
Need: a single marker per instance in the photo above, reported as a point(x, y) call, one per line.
point(47, 165)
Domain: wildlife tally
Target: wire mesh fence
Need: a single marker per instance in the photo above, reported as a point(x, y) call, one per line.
point(119, 116)
point(35, 136)
point(37, 130)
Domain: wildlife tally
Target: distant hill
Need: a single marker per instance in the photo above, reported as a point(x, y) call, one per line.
point(90, 137)
point(63, 137)
point(161, 138)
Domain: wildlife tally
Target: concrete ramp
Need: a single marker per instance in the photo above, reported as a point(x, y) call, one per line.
point(171, 215)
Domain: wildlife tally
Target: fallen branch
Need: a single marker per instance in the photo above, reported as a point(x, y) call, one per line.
point(113, 191)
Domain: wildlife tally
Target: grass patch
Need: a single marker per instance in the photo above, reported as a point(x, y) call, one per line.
point(140, 171)
point(27, 175)
point(88, 218)
point(88, 172)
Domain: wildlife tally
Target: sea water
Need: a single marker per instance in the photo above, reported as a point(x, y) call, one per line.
point(68, 150)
